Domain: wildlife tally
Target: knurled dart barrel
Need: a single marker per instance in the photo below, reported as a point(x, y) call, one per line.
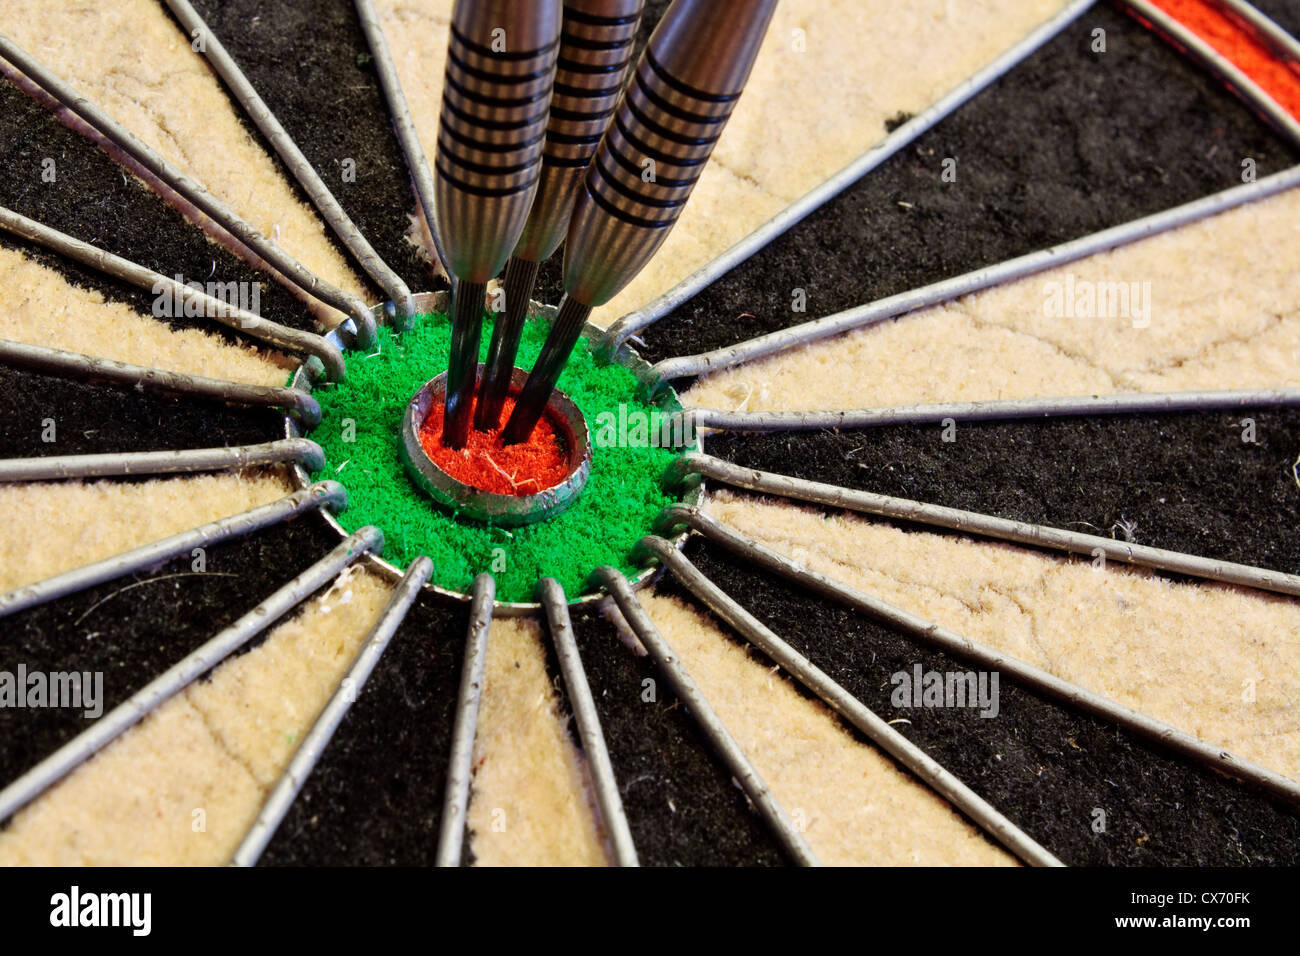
point(595, 52)
point(500, 69)
point(677, 102)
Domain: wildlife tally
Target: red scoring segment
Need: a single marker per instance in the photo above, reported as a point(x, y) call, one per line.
point(522, 469)
point(1275, 76)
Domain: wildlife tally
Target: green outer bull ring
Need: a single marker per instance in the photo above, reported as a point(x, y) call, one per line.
point(429, 302)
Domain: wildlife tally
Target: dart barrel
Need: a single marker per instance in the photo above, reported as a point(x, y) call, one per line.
point(595, 53)
point(679, 99)
point(500, 68)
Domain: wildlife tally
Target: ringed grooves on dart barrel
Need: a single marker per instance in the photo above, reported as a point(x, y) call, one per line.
point(674, 108)
point(595, 52)
point(496, 96)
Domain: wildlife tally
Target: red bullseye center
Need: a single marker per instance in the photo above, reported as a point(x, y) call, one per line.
point(524, 469)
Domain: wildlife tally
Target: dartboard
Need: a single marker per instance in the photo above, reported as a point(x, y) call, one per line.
point(975, 546)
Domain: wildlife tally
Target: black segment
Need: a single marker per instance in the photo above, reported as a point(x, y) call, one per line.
point(310, 62)
point(681, 804)
point(1046, 767)
point(1285, 13)
point(132, 629)
point(1187, 482)
point(1067, 144)
point(83, 419)
point(375, 798)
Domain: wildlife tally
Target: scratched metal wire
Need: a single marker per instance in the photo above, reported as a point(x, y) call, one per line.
point(972, 522)
point(894, 306)
point(322, 730)
point(1238, 80)
point(918, 628)
point(181, 674)
point(298, 165)
point(723, 743)
point(1123, 403)
point(300, 451)
point(362, 323)
point(325, 494)
point(876, 729)
point(460, 768)
point(232, 317)
point(404, 125)
point(75, 365)
point(594, 748)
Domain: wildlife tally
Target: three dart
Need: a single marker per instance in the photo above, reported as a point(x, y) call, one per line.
point(544, 139)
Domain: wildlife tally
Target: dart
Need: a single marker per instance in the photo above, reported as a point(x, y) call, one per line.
point(595, 52)
point(681, 94)
point(500, 69)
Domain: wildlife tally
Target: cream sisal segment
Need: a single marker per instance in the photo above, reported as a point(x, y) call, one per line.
point(1206, 308)
point(857, 806)
point(183, 786)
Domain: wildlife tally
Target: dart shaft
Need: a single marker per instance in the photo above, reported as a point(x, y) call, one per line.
point(462, 362)
point(521, 275)
point(546, 372)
